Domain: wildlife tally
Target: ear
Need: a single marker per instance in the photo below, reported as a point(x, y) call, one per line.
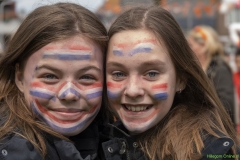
point(181, 84)
point(19, 78)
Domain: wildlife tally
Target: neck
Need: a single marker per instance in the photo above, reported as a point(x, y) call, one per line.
point(204, 60)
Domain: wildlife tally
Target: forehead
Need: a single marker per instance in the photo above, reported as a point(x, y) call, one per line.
point(130, 38)
point(131, 42)
point(77, 45)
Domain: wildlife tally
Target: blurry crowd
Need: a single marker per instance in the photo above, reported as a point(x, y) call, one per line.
point(208, 48)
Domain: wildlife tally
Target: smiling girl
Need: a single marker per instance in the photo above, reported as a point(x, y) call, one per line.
point(51, 85)
point(167, 108)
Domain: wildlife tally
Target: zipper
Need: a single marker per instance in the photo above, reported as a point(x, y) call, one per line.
point(124, 150)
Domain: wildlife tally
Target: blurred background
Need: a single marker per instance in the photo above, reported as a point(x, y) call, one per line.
point(216, 13)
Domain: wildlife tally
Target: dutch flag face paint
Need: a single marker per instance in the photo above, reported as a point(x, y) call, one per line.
point(160, 91)
point(62, 83)
point(135, 48)
point(114, 90)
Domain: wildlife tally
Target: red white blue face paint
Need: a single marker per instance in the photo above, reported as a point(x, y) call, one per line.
point(114, 90)
point(144, 46)
point(62, 83)
point(160, 91)
point(141, 79)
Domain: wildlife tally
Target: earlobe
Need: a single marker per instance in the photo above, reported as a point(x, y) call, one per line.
point(18, 78)
point(181, 84)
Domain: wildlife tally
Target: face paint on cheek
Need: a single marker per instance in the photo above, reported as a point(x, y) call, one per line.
point(160, 91)
point(41, 91)
point(93, 91)
point(114, 90)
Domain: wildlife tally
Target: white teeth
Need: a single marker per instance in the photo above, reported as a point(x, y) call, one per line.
point(136, 108)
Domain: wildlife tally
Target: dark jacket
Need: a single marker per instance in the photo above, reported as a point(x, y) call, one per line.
point(14, 147)
point(220, 74)
point(118, 145)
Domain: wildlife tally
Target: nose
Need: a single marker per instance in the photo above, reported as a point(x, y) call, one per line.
point(134, 88)
point(69, 92)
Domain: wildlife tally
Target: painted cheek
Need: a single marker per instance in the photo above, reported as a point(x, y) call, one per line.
point(159, 91)
point(114, 90)
point(42, 91)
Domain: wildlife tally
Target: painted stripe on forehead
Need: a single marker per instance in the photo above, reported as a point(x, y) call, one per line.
point(140, 50)
point(66, 56)
point(125, 45)
point(118, 53)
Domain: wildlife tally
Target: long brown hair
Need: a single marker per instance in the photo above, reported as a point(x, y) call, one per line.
point(197, 111)
point(44, 25)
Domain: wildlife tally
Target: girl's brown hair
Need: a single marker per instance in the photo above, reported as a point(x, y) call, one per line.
point(197, 111)
point(44, 25)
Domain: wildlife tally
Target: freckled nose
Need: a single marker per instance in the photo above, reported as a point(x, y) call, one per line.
point(69, 93)
point(134, 88)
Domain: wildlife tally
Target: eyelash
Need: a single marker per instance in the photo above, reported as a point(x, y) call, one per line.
point(149, 75)
point(118, 75)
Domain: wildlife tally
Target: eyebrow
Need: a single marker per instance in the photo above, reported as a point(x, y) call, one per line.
point(84, 69)
point(67, 56)
point(153, 63)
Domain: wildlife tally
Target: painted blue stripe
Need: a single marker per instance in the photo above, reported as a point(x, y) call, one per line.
point(112, 95)
point(161, 96)
point(59, 128)
point(118, 53)
point(140, 50)
point(94, 95)
point(67, 56)
point(42, 95)
point(70, 90)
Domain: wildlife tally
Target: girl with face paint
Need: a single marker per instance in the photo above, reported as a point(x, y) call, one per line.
point(52, 84)
point(166, 107)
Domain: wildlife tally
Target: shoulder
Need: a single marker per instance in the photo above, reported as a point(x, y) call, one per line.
point(17, 147)
point(218, 148)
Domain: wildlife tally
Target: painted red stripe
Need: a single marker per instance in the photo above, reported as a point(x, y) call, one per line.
point(79, 47)
point(43, 86)
point(113, 85)
point(125, 45)
point(160, 86)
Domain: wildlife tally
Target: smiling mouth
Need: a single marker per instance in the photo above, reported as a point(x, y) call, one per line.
point(137, 108)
